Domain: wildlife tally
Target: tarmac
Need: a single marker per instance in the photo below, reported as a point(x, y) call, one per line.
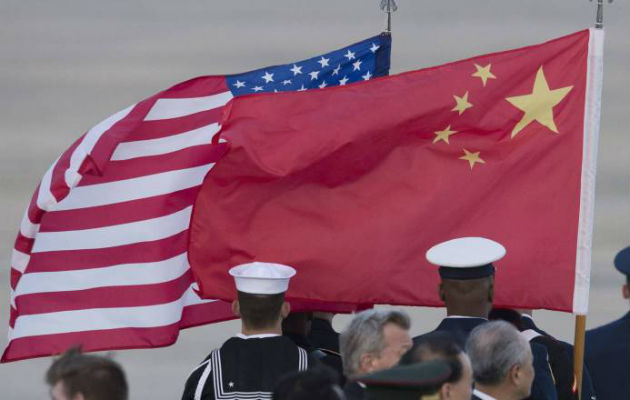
point(66, 65)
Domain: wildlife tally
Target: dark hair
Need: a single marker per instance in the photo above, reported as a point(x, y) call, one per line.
point(259, 311)
point(507, 315)
point(319, 383)
point(97, 378)
point(437, 345)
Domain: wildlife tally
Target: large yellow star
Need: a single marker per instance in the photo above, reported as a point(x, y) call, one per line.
point(472, 158)
point(484, 73)
point(462, 103)
point(443, 135)
point(538, 105)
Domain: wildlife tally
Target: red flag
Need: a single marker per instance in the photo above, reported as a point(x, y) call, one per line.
point(352, 185)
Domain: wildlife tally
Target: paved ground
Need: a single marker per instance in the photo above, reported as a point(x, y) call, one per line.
point(65, 65)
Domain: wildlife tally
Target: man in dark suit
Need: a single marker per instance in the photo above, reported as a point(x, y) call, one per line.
point(502, 362)
point(467, 288)
point(373, 341)
point(560, 353)
point(607, 351)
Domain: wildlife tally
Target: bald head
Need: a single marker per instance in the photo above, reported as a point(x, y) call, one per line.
point(470, 297)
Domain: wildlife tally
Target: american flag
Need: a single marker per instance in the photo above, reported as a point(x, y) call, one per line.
point(100, 259)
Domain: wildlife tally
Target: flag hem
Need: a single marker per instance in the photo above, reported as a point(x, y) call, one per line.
point(592, 110)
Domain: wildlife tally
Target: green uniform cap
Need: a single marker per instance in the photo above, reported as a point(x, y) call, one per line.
point(406, 381)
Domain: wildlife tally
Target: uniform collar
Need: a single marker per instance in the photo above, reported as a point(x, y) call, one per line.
point(482, 395)
point(259, 336)
point(464, 316)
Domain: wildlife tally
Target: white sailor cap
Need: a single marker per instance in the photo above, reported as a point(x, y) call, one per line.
point(466, 258)
point(262, 277)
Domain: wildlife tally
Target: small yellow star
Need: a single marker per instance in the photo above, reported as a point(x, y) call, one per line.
point(462, 103)
point(484, 73)
point(538, 105)
point(443, 135)
point(472, 158)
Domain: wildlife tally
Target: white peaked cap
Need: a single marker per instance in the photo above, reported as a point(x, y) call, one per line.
point(262, 278)
point(466, 252)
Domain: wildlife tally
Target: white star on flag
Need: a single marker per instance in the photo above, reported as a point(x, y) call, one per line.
point(367, 76)
point(296, 70)
point(357, 65)
point(349, 55)
point(323, 62)
point(313, 75)
point(286, 82)
point(239, 84)
point(268, 77)
point(374, 47)
point(343, 81)
point(322, 85)
point(257, 88)
point(336, 70)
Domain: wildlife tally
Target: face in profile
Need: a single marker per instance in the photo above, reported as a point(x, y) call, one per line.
point(462, 389)
point(396, 342)
point(525, 376)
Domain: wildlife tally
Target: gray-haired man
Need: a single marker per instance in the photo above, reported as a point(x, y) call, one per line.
point(373, 341)
point(502, 362)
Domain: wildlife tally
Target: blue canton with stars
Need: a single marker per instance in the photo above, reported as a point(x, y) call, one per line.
point(361, 61)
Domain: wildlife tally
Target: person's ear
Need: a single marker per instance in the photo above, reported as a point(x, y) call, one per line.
point(446, 391)
point(441, 291)
point(236, 308)
point(285, 310)
point(366, 363)
point(625, 291)
point(515, 374)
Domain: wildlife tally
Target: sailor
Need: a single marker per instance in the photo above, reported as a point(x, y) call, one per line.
point(420, 381)
point(607, 350)
point(249, 364)
point(467, 289)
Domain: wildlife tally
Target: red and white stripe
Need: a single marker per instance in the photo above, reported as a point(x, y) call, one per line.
point(100, 259)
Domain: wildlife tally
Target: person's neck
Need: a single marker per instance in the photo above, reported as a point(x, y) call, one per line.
point(275, 330)
point(479, 312)
point(499, 392)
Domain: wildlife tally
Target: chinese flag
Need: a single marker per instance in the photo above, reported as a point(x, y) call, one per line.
point(351, 185)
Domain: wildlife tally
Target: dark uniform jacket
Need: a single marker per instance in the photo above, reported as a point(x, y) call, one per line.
point(245, 368)
point(561, 362)
point(354, 391)
point(327, 357)
point(607, 355)
point(323, 336)
point(543, 387)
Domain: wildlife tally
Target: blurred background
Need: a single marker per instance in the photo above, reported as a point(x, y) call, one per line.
point(66, 65)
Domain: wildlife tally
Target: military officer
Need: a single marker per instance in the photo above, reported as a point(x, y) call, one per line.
point(249, 364)
point(607, 351)
point(420, 381)
point(467, 288)
point(563, 370)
